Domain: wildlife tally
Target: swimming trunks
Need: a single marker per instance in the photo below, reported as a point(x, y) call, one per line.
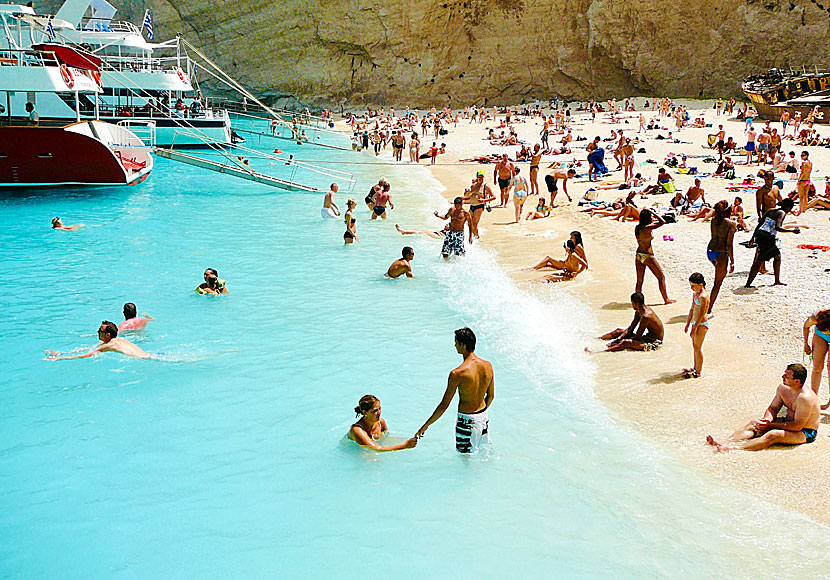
point(811, 434)
point(471, 431)
point(504, 183)
point(651, 345)
point(750, 146)
point(763, 147)
point(453, 244)
point(767, 249)
point(532, 167)
point(476, 207)
point(327, 213)
point(713, 256)
point(379, 210)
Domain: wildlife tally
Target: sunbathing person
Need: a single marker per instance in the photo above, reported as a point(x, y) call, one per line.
point(800, 425)
point(541, 211)
point(644, 333)
point(820, 200)
point(573, 263)
point(704, 213)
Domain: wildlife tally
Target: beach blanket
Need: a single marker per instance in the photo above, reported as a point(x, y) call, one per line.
point(812, 247)
point(597, 159)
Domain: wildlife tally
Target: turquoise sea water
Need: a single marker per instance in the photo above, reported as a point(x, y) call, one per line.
point(227, 460)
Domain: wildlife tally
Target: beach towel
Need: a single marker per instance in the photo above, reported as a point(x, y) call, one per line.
point(597, 159)
point(812, 247)
point(669, 187)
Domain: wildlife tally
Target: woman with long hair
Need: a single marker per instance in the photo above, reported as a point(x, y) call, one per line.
point(719, 251)
point(644, 233)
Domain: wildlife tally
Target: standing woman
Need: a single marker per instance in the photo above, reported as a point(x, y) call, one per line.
point(719, 251)
point(820, 321)
point(414, 147)
point(699, 322)
point(535, 160)
point(519, 184)
point(628, 161)
point(350, 235)
point(372, 427)
point(643, 232)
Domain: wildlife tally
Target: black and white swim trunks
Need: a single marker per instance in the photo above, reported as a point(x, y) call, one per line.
point(471, 431)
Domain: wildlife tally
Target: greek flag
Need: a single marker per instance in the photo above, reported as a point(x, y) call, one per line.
point(50, 30)
point(148, 24)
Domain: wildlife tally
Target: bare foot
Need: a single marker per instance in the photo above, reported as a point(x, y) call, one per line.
point(716, 444)
point(670, 301)
point(397, 227)
point(779, 284)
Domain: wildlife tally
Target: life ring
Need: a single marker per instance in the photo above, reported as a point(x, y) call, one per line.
point(181, 74)
point(67, 76)
point(96, 76)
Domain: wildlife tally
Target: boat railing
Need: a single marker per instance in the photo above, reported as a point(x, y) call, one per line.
point(241, 107)
point(106, 25)
point(144, 64)
point(144, 130)
point(27, 57)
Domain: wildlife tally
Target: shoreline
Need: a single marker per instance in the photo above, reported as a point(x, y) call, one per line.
point(753, 337)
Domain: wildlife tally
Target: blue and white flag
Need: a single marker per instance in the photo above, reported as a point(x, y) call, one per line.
point(50, 30)
point(148, 24)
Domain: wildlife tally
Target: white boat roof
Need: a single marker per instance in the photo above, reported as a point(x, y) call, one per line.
point(819, 98)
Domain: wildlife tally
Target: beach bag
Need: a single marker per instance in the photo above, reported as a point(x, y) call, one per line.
point(443, 132)
point(671, 162)
point(670, 217)
point(669, 187)
point(730, 173)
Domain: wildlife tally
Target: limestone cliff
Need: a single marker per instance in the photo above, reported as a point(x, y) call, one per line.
point(456, 52)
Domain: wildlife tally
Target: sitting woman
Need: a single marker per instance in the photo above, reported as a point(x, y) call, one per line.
point(541, 211)
point(568, 268)
point(738, 214)
point(822, 201)
point(704, 213)
point(372, 427)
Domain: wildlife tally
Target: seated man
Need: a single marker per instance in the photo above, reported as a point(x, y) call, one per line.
point(401, 266)
point(644, 333)
point(693, 194)
point(800, 425)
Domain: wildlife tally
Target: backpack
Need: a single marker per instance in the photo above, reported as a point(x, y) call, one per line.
point(730, 173)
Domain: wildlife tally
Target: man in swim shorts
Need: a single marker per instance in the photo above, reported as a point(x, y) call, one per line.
point(553, 188)
point(402, 265)
point(108, 335)
point(644, 333)
point(381, 199)
point(799, 425)
point(131, 319)
point(502, 174)
point(330, 209)
point(454, 240)
point(473, 379)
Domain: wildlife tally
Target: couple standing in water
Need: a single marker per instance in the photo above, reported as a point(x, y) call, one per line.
point(472, 379)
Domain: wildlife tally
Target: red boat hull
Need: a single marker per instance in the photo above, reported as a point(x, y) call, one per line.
point(41, 156)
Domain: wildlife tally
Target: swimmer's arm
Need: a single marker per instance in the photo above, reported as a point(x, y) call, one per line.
point(147, 316)
point(92, 352)
point(363, 439)
point(452, 386)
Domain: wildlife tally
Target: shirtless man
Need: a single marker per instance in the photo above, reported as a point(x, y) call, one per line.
point(330, 209)
point(381, 199)
point(767, 196)
point(750, 144)
point(590, 148)
point(804, 182)
point(454, 240)
point(535, 160)
point(764, 140)
point(644, 333)
point(402, 265)
point(131, 319)
point(551, 179)
point(719, 140)
point(800, 425)
point(107, 334)
point(57, 224)
point(694, 193)
point(478, 196)
point(373, 191)
point(473, 379)
point(502, 173)
point(398, 144)
point(785, 120)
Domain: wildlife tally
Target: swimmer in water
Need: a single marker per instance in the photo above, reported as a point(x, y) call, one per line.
point(437, 234)
point(131, 319)
point(372, 427)
point(401, 266)
point(213, 284)
point(57, 224)
point(108, 335)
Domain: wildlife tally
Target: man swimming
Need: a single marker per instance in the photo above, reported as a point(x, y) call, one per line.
point(108, 335)
point(799, 425)
point(131, 319)
point(473, 379)
point(644, 333)
point(402, 265)
point(57, 224)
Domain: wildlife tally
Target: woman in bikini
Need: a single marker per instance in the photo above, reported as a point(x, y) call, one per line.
point(569, 268)
point(819, 321)
point(643, 232)
point(541, 211)
point(350, 235)
point(628, 160)
point(519, 185)
point(535, 160)
point(699, 323)
point(372, 427)
point(414, 147)
point(719, 251)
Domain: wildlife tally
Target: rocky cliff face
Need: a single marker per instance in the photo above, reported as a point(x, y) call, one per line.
point(457, 52)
